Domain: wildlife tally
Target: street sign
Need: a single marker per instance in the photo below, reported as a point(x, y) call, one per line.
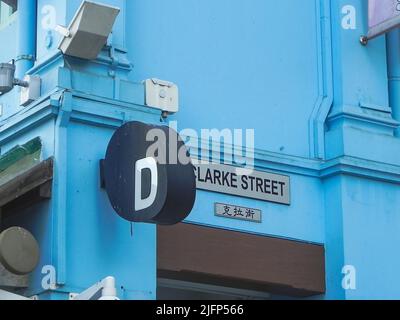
point(383, 15)
point(143, 188)
point(243, 183)
point(238, 213)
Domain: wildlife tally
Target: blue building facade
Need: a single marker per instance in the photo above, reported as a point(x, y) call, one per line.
point(324, 109)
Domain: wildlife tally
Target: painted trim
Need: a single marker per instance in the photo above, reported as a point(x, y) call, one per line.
point(59, 204)
point(355, 113)
point(28, 118)
point(119, 113)
point(325, 74)
point(361, 168)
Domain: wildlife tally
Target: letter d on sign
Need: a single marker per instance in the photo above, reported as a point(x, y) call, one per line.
point(142, 189)
point(150, 164)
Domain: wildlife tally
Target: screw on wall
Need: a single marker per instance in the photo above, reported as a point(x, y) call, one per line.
point(364, 40)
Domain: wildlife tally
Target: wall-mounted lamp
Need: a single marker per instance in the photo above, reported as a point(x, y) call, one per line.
point(30, 84)
point(7, 80)
point(19, 251)
point(88, 32)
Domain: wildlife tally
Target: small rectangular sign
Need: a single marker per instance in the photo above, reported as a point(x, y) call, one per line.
point(238, 213)
point(243, 182)
point(383, 15)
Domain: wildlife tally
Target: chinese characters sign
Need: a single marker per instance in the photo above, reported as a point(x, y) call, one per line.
point(236, 212)
point(383, 15)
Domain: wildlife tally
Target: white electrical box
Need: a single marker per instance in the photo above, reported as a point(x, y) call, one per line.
point(31, 92)
point(163, 95)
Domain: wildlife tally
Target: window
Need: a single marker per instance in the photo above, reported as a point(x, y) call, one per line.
point(7, 8)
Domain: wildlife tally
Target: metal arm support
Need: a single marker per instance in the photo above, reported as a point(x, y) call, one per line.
point(103, 290)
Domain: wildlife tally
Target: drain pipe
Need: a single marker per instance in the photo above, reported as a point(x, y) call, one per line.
point(26, 48)
point(393, 61)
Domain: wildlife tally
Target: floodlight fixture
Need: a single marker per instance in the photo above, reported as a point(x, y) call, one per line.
point(88, 31)
point(7, 78)
point(12, 3)
point(30, 84)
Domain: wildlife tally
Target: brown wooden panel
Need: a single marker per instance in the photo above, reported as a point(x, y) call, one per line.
point(193, 253)
point(28, 187)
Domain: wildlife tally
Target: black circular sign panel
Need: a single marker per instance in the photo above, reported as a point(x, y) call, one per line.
point(175, 191)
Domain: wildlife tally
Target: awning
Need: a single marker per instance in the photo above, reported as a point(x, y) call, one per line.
point(240, 260)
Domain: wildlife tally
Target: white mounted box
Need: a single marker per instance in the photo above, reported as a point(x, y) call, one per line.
point(31, 92)
point(163, 95)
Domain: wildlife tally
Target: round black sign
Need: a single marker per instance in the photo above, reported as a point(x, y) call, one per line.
point(148, 174)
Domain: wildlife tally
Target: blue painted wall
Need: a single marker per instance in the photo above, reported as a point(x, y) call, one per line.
point(181, 41)
point(317, 100)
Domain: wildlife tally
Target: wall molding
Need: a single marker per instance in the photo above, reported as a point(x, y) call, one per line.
point(85, 109)
point(324, 101)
